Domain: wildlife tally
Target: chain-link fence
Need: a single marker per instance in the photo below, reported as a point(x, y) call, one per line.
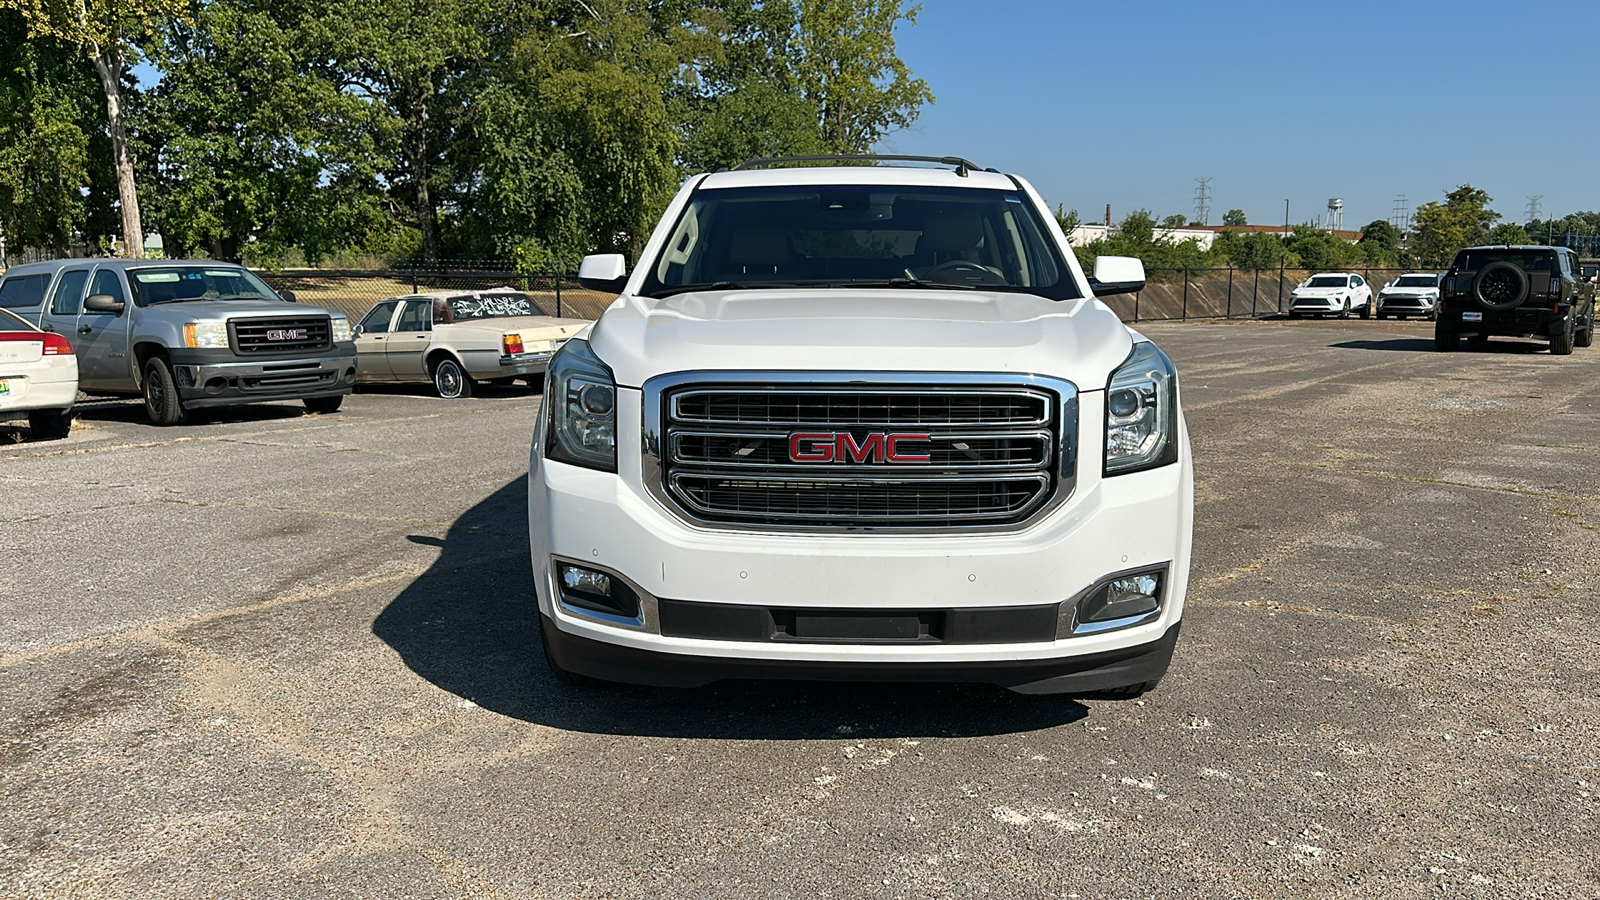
point(354, 291)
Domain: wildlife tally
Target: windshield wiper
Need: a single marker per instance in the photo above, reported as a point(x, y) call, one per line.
point(718, 286)
point(902, 283)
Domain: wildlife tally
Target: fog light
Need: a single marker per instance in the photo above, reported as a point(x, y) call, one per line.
point(1121, 599)
point(595, 591)
point(586, 580)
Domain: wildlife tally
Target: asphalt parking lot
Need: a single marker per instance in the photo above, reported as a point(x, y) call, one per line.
point(281, 655)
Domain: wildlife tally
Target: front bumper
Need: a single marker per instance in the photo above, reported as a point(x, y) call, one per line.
point(1140, 520)
point(204, 380)
point(1406, 305)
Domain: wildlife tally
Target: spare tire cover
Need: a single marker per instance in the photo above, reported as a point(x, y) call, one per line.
point(1500, 286)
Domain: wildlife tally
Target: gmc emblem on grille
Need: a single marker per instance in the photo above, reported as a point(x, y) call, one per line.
point(286, 334)
point(842, 447)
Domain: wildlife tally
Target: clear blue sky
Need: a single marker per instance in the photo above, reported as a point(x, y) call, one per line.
point(1125, 102)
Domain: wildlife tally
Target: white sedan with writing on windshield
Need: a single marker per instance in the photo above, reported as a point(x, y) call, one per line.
point(1331, 294)
point(456, 339)
point(38, 377)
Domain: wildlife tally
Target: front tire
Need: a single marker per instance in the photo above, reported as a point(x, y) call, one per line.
point(161, 401)
point(450, 380)
point(50, 424)
point(324, 406)
point(1345, 313)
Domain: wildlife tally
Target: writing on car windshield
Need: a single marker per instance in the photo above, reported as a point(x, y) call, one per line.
point(859, 235)
point(489, 306)
point(187, 283)
point(1340, 281)
point(1417, 281)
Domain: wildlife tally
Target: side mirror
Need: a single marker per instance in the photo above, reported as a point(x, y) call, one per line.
point(355, 332)
point(103, 303)
point(287, 296)
point(605, 272)
point(1116, 275)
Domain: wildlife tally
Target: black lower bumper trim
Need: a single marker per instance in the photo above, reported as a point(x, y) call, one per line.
point(1084, 674)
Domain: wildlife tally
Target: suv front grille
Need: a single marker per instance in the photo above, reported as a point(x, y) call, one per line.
point(968, 455)
point(280, 335)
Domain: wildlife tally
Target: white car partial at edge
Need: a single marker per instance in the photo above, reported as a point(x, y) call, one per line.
point(38, 377)
point(455, 339)
point(1331, 294)
point(861, 422)
point(1412, 294)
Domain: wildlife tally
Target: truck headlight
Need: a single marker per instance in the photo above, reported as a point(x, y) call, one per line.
point(581, 397)
point(206, 335)
point(1142, 412)
point(341, 329)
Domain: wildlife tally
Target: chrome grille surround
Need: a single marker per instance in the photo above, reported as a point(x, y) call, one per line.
point(1003, 450)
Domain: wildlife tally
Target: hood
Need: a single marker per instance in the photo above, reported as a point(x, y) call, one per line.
point(540, 328)
point(894, 330)
point(1320, 291)
point(226, 309)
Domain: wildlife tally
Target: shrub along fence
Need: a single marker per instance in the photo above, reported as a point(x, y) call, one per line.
point(1227, 293)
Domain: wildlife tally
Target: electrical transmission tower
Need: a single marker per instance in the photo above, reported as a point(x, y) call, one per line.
point(1533, 208)
point(1400, 217)
point(1202, 201)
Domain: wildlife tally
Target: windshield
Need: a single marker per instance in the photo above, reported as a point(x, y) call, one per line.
point(1328, 281)
point(171, 284)
point(1526, 260)
point(859, 235)
point(489, 306)
point(1422, 281)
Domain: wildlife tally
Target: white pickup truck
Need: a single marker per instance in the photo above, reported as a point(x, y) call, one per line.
point(862, 421)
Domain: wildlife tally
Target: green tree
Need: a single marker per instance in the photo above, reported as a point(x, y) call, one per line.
point(1380, 243)
point(1255, 250)
point(1462, 220)
point(1234, 217)
point(1322, 250)
point(1067, 219)
point(1176, 220)
point(1509, 233)
point(55, 159)
point(108, 32)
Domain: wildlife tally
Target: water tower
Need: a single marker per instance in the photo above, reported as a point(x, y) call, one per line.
point(1335, 213)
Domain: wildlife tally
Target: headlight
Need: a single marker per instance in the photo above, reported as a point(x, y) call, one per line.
point(206, 335)
point(341, 329)
point(1142, 412)
point(581, 397)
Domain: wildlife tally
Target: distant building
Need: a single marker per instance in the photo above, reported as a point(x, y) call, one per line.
point(1351, 236)
point(1084, 235)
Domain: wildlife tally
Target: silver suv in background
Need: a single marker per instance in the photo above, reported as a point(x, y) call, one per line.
point(186, 334)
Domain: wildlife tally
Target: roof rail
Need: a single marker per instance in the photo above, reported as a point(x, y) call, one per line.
point(962, 166)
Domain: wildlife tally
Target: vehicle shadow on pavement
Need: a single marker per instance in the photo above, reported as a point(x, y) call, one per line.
point(1426, 344)
point(131, 411)
point(470, 626)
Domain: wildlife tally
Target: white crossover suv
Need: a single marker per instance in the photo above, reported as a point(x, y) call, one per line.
point(1412, 294)
point(1331, 294)
point(861, 422)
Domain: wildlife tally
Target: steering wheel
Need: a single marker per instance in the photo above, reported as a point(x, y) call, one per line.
point(988, 275)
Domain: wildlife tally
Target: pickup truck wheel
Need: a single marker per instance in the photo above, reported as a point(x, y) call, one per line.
point(50, 424)
point(323, 406)
point(161, 401)
point(450, 380)
point(1585, 336)
point(1561, 344)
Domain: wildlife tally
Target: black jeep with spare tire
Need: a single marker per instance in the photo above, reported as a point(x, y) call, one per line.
point(1536, 292)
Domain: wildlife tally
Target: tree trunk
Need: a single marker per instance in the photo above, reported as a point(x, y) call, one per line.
point(414, 142)
point(109, 65)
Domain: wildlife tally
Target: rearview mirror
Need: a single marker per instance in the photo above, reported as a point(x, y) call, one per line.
point(606, 272)
point(103, 303)
point(1117, 275)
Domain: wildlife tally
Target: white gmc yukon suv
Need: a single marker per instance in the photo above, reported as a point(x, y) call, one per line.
point(862, 422)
